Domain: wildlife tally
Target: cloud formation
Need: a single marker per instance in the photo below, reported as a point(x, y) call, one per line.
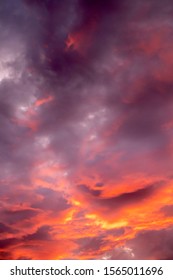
point(86, 129)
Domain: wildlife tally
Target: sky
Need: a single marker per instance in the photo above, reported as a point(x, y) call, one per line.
point(86, 129)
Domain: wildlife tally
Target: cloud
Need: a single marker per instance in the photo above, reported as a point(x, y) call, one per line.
point(156, 244)
point(85, 129)
point(147, 244)
point(120, 253)
point(4, 255)
point(6, 229)
point(125, 199)
point(8, 242)
point(51, 200)
point(167, 210)
point(91, 245)
point(85, 189)
point(42, 233)
point(99, 184)
point(12, 217)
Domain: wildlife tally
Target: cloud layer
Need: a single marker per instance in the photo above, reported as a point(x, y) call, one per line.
point(86, 118)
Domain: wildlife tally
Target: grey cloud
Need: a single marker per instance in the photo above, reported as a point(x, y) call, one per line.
point(154, 244)
point(42, 233)
point(167, 210)
point(15, 216)
point(90, 244)
point(86, 190)
point(6, 229)
point(51, 200)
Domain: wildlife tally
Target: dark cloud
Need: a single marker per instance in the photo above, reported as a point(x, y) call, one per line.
point(51, 200)
point(90, 244)
point(101, 7)
point(115, 232)
point(42, 233)
point(99, 184)
point(144, 120)
point(13, 217)
point(6, 255)
point(87, 190)
point(126, 199)
point(8, 242)
point(149, 244)
point(95, 245)
point(6, 229)
point(154, 244)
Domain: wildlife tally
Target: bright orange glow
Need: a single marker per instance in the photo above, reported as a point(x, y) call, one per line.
point(40, 102)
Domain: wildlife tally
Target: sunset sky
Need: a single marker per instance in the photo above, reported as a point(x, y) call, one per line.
point(86, 129)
